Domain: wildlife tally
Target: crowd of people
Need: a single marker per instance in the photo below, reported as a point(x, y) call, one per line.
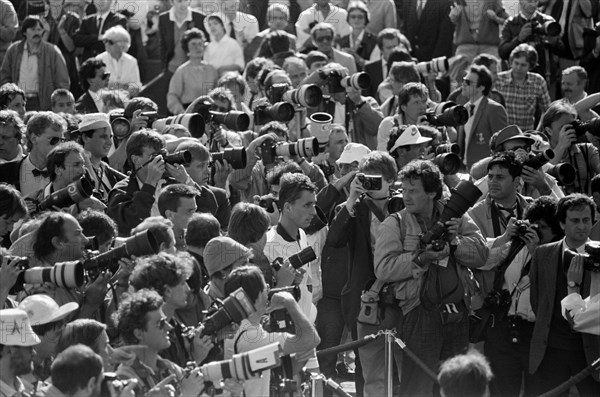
point(194, 191)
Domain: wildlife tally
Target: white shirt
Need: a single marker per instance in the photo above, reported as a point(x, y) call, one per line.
point(123, 71)
point(30, 184)
point(29, 72)
point(7, 390)
point(469, 126)
point(336, 17)
point(97, 97)
point(225, 52)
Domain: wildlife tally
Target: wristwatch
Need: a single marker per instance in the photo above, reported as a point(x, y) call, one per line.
point(573, 284)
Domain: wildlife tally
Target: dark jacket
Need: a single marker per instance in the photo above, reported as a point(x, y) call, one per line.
point(128, 205)
point(166, 29)
point(87, 36)
point(375, 72)
point(365, 48)
point(431, 35)
point(85, 104)
point(223, 210)
point(10, 172)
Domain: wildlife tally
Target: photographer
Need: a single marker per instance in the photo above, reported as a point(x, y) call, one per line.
point(556, 351)
point(355, 228)
point(141, 321)
point(430, 286)
point(12, 209)
point(338, 139)
point(65, 165)
point(132, 199)
point(167, 274)
point(406, 144)
point(93, 77)
point(221, 256)
point(251, 334)
point(219, 136)
point(177, 203)
point(12, 129)
point(570, 147)
point(80, 360)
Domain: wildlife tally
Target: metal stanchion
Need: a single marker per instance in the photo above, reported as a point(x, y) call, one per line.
point(389, 363)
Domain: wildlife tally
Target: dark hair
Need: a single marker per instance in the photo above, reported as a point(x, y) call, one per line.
point(248, 223)
point(287, 167)
point(484, 77)
point(160, 226)
point(198, 151)
point(409, 90)
point(594, 184)
point(486, 60)
point(399, 55)
point(379, 162)
point(8, 92)
point(507, 160)
point(388, 34)
point(82, 330)
point(139, 103)
point(235, 78)
point(11, 202)
point(58, 154)
point(52, 226)
point(274, 126)
point(248, 277)
point(132, 312)
point(292, 186)
point(425, 171)
point(465, 375)
point(527, 51)
point(254, 66)
point(40, 122)
point(277, 41)
point(29, 22)
point(555, 111)
point(98, 224)
point(202, 228)
point(169, 197)
point(157, 272)
point(405, 71)
point(87, 70)
point(360, 6)
point(79, 360)
point(11, 118)
point(59, 93)
point(223, 94)
point(544, 208)
point(143, 138)
point(189, 35)
point(574, 201)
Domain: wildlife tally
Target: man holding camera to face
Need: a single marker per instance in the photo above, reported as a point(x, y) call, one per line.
point(558, 269)
point(430, 280)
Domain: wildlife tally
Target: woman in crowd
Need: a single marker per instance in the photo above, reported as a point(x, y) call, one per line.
point(123, 68)
point(361, 44)
point(223, 52)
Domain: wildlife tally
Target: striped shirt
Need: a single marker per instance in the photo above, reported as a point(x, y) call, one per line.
point(523, 99)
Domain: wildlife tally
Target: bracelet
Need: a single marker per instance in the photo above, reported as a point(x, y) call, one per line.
point(302, 160)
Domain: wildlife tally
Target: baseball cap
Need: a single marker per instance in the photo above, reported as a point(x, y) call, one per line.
point(42, 309)
point(509, 133)
point(353, 152)
point(93, 121)
point(221, 252)
point(410, 136)
point(15, 329)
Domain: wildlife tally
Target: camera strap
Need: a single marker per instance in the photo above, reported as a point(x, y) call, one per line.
point(499, 222)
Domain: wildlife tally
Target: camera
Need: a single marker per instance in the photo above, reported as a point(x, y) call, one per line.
point(111, 378)
point(436, 65)
point(447, 148)
point(309, 95)
point(536, 161)
point(591, 258)
point(357, 81)
point(463, 197)
point(280, 320)
point(236, 157)
point(182, 157)
point(74, 192)
point(564, 173)
point(497, 300)
point(93, 243)
point(592, 126)
point(281, 111)
point(244, 365)
point(522, 227)
point(514, 328)
point(119, 124)
point(337, 83)
point(192, 121)
point(548, 28)
point(64, 274)
point(306, 147)
point(236, 307)
point(267, 201)
point(447, 114)
point(297, 260)
point(448, 163)
point(370, 182)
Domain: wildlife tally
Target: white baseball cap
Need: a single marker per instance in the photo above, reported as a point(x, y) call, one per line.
point(93, 121)
point(353, 152)
point(42, 309)
point(15, 329)
point(410, 136)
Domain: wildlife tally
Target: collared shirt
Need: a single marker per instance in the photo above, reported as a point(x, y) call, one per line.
point(337, 17)
point(189, 82)
point(469, 126)
point(225, 52)
point(179, 24)
point(535, 13)
point(523, 99)
point(123, 71)
point(31, 184)
point(97, 98)
point(29, 72)
point(10, 391)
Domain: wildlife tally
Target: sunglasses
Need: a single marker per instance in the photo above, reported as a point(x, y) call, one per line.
point(56, 140)
point(323, 38)
point(105, 75)
point(468, 82)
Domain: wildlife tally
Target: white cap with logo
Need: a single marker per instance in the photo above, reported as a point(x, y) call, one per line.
point(15, 329)
point(353, 152)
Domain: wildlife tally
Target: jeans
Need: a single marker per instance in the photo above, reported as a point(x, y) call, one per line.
point(330, 326)
point(432, 342)
point(372, 354)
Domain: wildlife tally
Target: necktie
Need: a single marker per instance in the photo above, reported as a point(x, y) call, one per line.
point(99, 24)
point(232, 30)
point(419, 8)
point(37, 172)
point(471, 109)
point(563, 17)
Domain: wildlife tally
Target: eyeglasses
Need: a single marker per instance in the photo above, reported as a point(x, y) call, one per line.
point(356, 16)
point(55, 140)
point(468, 82)
point(105, 75)
point(323, 38)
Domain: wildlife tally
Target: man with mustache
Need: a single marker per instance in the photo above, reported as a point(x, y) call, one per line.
point(36, 66)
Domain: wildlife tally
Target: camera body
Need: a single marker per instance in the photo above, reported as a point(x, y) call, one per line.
point(548, 28)
point(591, 258)
point(267, 201)
point(536, 161)
point(152, 117)
point(280, 320)
point(337, 83)
point(280, 111)
point(182, 157)
point(522, 227)
point(111, 378)
point(591, 126)
point(305, 147)
point(370, 182)
point(497, 300)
